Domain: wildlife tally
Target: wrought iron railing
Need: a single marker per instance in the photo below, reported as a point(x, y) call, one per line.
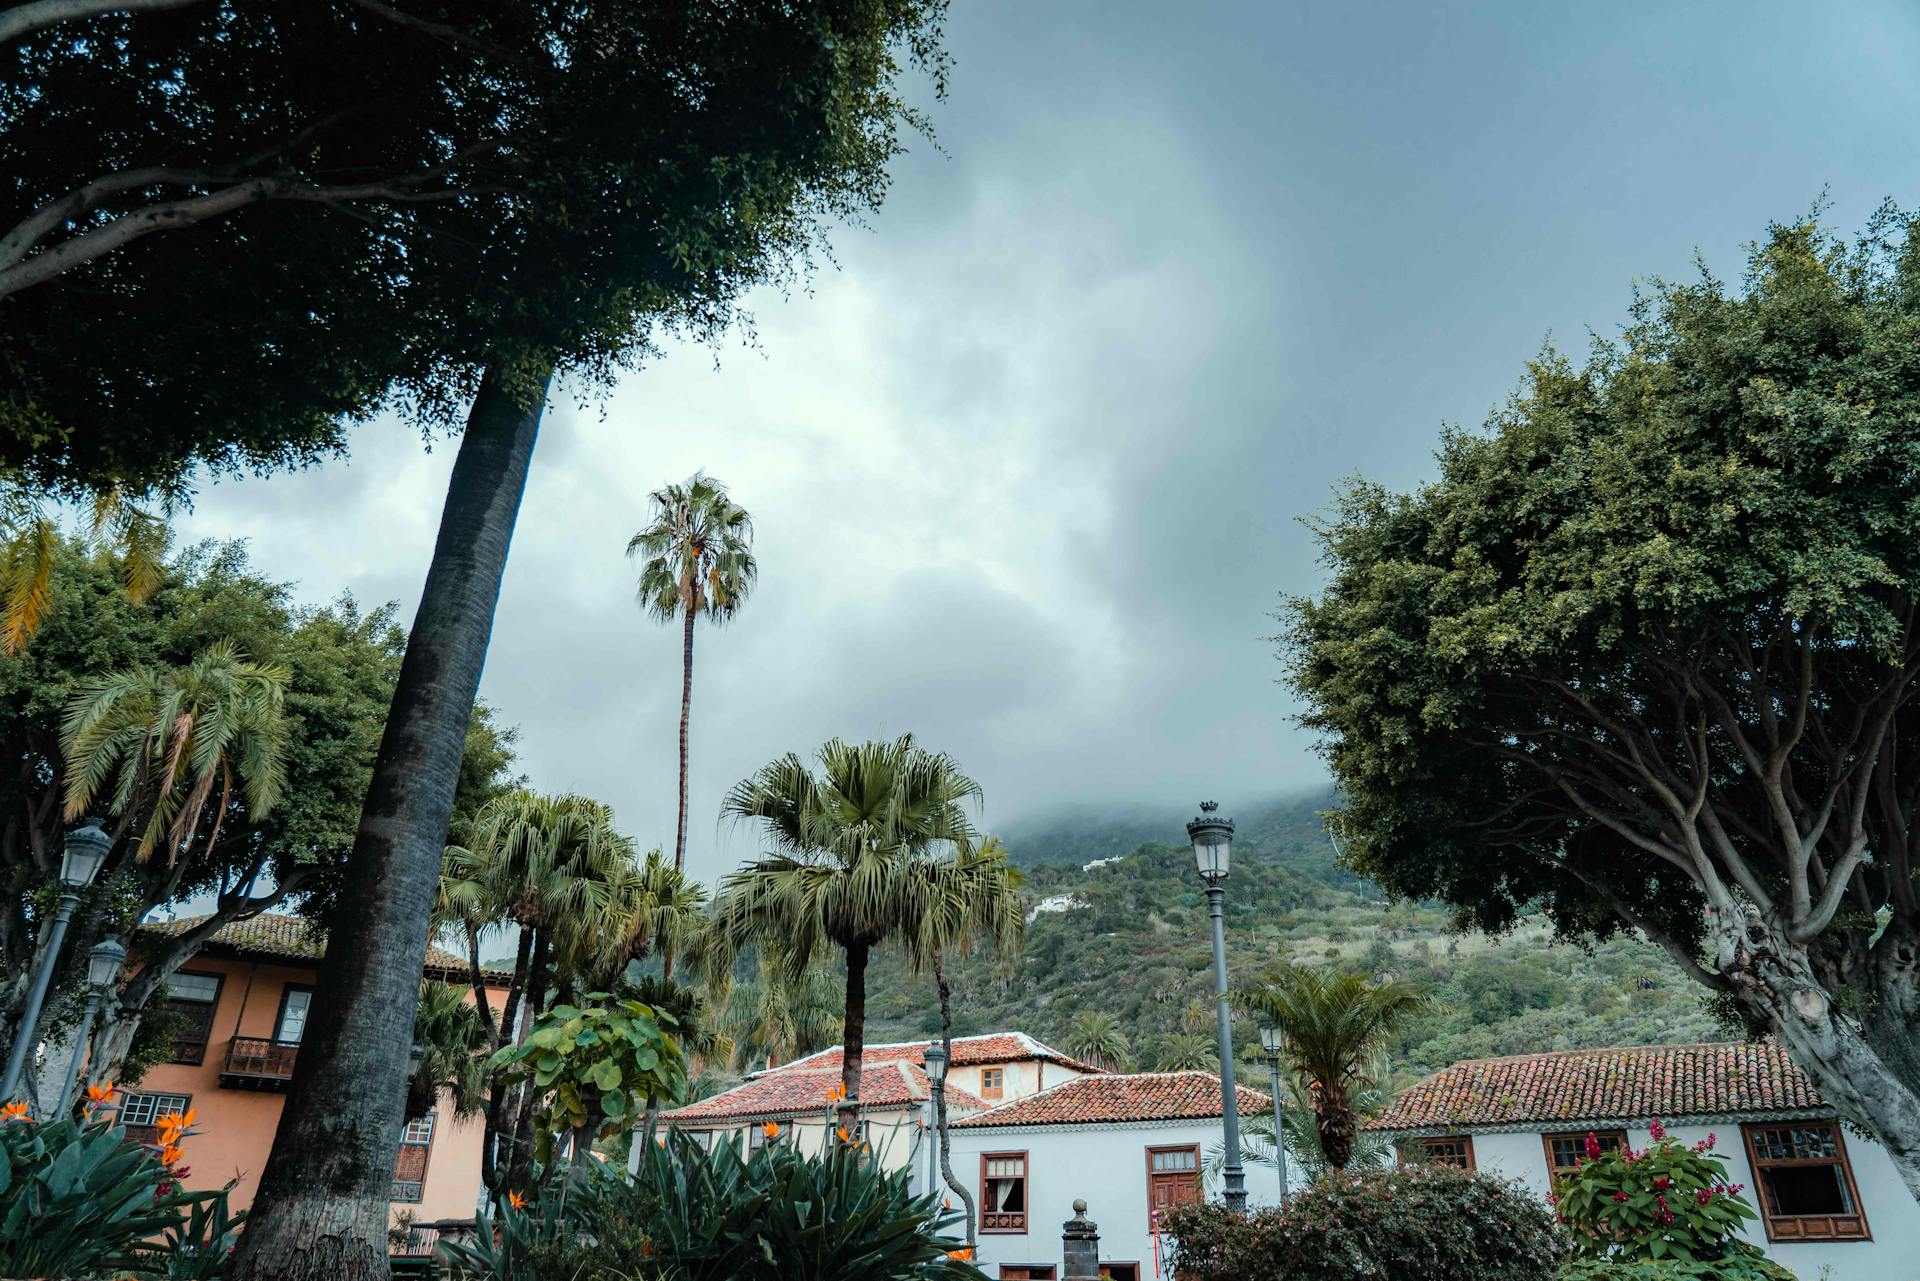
point(410, 1192)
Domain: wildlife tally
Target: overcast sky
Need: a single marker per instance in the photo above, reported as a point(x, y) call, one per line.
point(1026, 469)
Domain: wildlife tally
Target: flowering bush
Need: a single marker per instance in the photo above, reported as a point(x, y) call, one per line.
point(1669, 1202)
point(1737, 1268)
point(82, 1198)
point(1414, 1223)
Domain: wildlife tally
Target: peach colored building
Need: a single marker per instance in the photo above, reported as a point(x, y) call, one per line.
point(245, 998)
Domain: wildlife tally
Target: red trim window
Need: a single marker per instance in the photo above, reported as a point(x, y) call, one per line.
point(1003, 1192)
point(1805, 1182)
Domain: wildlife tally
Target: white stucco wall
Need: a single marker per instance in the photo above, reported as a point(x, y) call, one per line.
point(1892, 1217)
point(1105, 1167)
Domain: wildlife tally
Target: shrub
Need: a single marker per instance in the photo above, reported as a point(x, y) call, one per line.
point(1668, 1202)
point(1414, 1223)
point(81, 1198)
point(1752, 1267)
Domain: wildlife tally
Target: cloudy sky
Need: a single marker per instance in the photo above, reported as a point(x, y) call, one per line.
point(1027, 468)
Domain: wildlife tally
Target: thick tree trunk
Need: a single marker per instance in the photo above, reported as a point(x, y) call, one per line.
point(686, 711)
point(321, 1211)
point(940, 1098)
point(853, 1037)
point(1873, 1081)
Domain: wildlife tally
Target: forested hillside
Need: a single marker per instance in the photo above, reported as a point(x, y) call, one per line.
point(1129, 937)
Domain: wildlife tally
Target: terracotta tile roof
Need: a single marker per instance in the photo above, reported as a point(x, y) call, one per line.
point(1637, 1084)
point(996, 1047)
point(1117, 1097)
point(275, 934)
point(791, 1091)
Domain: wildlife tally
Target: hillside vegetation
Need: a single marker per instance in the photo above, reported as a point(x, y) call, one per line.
point(1129, 937)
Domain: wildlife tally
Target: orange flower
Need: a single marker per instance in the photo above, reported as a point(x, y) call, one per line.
point(171, 1153)
point(15, 1111)
point(517, 1201)
point(841, 1130)
point(964, 1255)
point(837, 1093)
point(100, 1093)
point(771, 1130)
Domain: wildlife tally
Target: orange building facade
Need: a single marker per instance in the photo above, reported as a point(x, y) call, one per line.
point(244, 1001)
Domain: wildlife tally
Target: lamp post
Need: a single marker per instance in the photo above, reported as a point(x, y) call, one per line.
point(936, 1082)
point(86, 849)
point(1272, 1037)
point(103, 971)
point(1212, 840)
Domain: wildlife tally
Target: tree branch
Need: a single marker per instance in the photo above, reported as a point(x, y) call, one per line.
point(21, 19)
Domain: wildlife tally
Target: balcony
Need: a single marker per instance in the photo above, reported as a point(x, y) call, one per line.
point(256, 1063)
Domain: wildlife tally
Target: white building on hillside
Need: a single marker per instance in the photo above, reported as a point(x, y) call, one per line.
point(1127, 1144)
point(1831, 1203)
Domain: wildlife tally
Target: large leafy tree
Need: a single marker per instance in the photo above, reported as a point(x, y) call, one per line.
point(696, 558)
point(1334, 1025)
point(850, 867)
point(1643, 656)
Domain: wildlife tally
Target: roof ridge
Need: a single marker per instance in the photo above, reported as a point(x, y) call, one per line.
point(1765, 1042)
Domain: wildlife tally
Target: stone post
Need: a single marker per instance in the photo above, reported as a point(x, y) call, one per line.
point(1080, 1246)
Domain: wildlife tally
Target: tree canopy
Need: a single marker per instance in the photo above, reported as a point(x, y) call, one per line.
point(1643, 654)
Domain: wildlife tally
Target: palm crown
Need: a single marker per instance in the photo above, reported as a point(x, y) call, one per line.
point(697, 552)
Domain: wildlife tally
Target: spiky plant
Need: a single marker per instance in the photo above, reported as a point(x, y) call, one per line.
point(1096, 1037)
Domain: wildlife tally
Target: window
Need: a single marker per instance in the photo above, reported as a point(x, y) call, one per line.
point(410, 1166)
point(1806, 1189)
point(192, 997)
point(1027, 1272)
point(1120, 1271)
point(993, 1084)
point(758, 1137)
point(292, 1023)
point(1452, 1149)
point(1173, 1177)
point(141, 1113)
point(1003, 1192)
point(1567, 1151)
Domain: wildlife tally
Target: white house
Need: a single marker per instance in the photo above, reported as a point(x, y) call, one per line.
point(1831, 1204)
point(795, 1101)
point(1127, 1144)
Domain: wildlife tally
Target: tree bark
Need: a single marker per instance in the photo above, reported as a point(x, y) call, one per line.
point(940, 1097)
point(321, 1210)
point(853, 1037)
point(498, 1094)
point(686, 711)
point(520, 1136)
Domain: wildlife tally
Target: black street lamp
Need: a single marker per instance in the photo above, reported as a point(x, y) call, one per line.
point(86, 849)
point(936, 1068)
point(1272, 1038)
point(103, 971)
point(1212, 839)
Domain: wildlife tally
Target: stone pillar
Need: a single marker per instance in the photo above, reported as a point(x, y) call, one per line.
point(1080, 1246)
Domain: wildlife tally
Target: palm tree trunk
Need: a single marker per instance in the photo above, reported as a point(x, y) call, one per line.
point(520, 1158)
point(853, 1036)
point(940, 1097)
point(1337, 1125)
point(686, 711)
point(498, 1095)
point(321, 1211)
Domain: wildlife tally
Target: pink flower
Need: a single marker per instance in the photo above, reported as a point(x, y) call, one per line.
point(1704, 1195)
point(1658, 1130)
point(1662, 1183)
point(1593, 1145)
point(1619, 1196)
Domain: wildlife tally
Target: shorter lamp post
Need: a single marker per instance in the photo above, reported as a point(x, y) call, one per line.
point(103, 971)
point(1212, 838)
point(936, 1083)
point(86, 849)
point(1272, 1037)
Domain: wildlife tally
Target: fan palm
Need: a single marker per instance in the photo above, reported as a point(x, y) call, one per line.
point(29, 536)
point(655, 911)
point(1186, 1052)
point(776, 1017)
point(455, 1040)
point(851, 869)
point(1334, 1022)
point(698, 560)
point(156, 743)
point(1095, 1037)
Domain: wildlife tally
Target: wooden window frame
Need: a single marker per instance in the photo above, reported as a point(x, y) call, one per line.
point(1546, 1145)
point(1026, 1271)
point(1139, 1271)
point(1199, 1171)
point(1841, 1159)
point(280, 1012)
point(1026, 1178)
point(993, 1093)
point(213, 1009)
point(426, 1160)
point(1425, 1146)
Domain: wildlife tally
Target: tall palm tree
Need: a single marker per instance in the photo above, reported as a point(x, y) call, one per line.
point(1334, 1023)
point(1096, 1037)
point(455, 1040)
point(1186, 1052)
point(776, 1017)
point(970, 895)
point(155, 743)
point(850, 865)
point(699, 560)
point(120, 525)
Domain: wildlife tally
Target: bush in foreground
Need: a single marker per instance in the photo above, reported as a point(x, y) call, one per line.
point(1740, 1268)
point(1414, 1223)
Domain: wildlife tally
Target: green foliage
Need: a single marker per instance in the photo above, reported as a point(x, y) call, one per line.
point(1668, 1202)
point(455, 1040)
point(193, 1249)
point(1097, 1037)
point(1752, 1267)
point(592, 1060)
point(1413, 1223)
point(80, 1198)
